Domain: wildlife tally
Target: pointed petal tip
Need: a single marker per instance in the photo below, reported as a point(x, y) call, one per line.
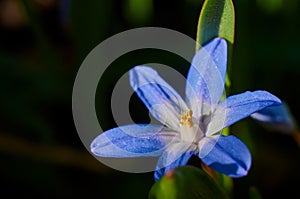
point(134, 73)
point(141, 68)
point(277, 100)
point(239, 174)
point(93, 147)
point(96, 146)
point(138, 67)
point(219, 41)
point(262, 94)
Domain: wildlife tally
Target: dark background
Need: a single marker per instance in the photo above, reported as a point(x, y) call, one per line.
point(43, 43)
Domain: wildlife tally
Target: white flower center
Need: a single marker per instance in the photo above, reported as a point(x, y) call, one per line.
point(189, 128)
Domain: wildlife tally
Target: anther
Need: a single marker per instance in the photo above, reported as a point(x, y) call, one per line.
point(186, 119)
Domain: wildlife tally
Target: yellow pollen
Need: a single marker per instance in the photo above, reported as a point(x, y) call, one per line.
point(186, 119)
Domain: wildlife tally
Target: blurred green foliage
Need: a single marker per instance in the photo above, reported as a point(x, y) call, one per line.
point(186, 182)
point(42, 44)
point(138, 12)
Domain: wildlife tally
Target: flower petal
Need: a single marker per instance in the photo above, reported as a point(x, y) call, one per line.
point(278, 118)
point(177, 154)
point(228, 155)
point(237, 107)
point(132, 141)
point(164, 103)
point(206, 77)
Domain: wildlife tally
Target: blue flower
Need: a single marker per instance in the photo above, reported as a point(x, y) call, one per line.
point(190, 127)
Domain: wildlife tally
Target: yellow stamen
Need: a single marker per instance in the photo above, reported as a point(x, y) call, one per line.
point(186, 119)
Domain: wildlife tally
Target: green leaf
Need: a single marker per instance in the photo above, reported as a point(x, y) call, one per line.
point(216, 20)
point(186, 182)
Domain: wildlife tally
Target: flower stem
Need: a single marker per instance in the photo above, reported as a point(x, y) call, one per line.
point(296, 136)
point(210, 172)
